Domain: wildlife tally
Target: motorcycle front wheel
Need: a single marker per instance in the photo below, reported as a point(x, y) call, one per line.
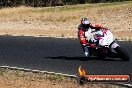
point(122, 54)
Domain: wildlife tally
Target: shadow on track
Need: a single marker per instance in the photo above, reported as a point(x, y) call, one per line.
point(82, 58)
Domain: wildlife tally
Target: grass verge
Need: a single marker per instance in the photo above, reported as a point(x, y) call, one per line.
point(10, 78)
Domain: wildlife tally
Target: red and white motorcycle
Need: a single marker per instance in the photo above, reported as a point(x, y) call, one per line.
point(106, 44)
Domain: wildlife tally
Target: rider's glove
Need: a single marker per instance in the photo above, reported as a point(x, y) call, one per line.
point(85, 44)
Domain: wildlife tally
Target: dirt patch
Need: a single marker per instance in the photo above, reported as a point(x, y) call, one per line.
point(63, 21)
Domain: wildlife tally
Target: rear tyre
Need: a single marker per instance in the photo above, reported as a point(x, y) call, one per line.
point(122, 54)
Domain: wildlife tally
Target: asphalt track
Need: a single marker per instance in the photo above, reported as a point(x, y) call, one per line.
point(58, 55)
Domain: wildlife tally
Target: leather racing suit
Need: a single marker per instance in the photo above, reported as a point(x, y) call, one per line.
point(85, 34)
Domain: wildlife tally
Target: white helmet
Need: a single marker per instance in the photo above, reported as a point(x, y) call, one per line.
point(85, 21)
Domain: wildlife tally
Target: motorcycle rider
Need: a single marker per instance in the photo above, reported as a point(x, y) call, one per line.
point(85, 32)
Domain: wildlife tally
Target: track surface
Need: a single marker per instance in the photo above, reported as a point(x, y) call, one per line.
point(58, 55)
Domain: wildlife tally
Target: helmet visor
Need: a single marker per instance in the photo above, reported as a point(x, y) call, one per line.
point(86, 22)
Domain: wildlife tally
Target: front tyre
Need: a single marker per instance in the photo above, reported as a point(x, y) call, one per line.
point(122, 54)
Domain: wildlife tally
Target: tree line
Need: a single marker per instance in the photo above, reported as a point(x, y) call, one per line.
point(44, 3)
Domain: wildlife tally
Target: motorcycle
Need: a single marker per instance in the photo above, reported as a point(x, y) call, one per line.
point(106, 45)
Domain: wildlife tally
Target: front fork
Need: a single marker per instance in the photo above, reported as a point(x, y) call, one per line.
point(113, 45)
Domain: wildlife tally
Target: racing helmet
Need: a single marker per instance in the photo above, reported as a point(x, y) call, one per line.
point(85, 23)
